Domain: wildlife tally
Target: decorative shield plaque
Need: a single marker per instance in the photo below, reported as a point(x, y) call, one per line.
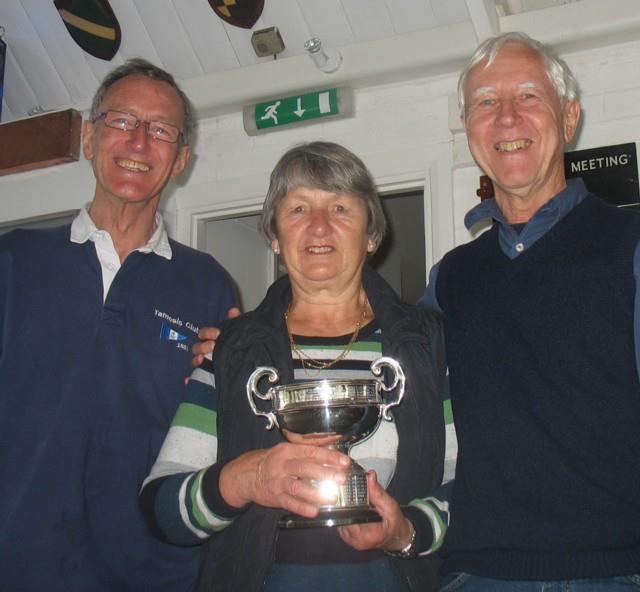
point(93, 26)
point(239, 13)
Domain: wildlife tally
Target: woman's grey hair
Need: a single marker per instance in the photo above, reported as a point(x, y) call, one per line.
point(326, 166)
point(141, 67)
point(559, 73)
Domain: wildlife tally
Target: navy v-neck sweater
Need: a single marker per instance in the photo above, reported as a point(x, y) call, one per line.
point(546, 401)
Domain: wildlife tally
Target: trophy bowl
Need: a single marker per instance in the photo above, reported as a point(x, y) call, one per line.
point(340, 413)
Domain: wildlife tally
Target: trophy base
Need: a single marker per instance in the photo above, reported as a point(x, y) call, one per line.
point(334, 517)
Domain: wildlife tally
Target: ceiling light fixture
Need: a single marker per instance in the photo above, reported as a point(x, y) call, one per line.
point(326, 60)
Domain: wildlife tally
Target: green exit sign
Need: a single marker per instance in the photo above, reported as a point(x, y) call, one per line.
point(297, 109)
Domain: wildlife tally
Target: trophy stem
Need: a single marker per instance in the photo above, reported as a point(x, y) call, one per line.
point(343, 447)
point(351, 507)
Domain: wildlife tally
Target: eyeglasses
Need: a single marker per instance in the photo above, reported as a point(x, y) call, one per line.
point(158, 130)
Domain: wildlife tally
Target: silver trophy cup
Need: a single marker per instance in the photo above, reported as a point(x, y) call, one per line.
point(342, 412)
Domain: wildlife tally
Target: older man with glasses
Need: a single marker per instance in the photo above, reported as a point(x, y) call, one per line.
point(96, 321)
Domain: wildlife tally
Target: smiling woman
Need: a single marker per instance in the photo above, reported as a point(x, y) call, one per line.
point(322, 238)
point(330, 317)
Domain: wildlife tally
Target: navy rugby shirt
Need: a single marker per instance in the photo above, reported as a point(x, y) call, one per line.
point(514, 242)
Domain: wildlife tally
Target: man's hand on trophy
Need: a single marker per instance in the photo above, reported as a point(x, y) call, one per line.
point(208, 337)
point(280, 477)
point(393, 534)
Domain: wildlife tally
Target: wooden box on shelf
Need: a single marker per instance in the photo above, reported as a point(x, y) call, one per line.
point(40, 141)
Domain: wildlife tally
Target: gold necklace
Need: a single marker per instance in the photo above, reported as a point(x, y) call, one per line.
point(310, 363)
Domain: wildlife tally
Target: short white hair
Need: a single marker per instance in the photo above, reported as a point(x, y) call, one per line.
point(559, 73)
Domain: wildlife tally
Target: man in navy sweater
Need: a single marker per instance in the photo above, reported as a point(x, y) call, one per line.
point(96, 321)
point(542, 321)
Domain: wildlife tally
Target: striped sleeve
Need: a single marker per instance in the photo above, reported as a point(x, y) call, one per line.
point(176, 497)
point(451, 439)
point(431, 514)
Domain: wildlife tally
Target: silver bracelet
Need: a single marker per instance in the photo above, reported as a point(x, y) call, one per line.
point(409, 551)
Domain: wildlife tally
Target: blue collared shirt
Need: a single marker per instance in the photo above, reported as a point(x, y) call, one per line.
point(514, 244)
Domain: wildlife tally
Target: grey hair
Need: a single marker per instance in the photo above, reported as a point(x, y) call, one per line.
point(559, 73)
point(327, 166)
point(141, 67)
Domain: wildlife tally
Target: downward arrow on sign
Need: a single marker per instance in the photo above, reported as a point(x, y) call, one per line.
point(299, 111)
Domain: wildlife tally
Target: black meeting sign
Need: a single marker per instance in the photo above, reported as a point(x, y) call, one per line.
point(610, 172)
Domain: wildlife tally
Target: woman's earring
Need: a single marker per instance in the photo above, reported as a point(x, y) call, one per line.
point(370, 246)
point(275, 248)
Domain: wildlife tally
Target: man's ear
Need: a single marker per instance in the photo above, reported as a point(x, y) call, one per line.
point(182, 158)
point(88, 129)
point(572, 113)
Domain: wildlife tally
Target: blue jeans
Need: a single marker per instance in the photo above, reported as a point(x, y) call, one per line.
point(375, 576)
point(470, 583)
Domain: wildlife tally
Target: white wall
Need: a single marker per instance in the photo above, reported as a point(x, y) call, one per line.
point(406, 132)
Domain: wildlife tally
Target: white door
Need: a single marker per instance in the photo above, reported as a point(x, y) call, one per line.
point(238, 245)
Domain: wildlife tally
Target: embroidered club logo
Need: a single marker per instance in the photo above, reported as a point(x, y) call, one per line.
point(170, 334)
point(239, 13)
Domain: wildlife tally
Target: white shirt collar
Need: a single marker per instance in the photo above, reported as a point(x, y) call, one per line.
point(83, 229)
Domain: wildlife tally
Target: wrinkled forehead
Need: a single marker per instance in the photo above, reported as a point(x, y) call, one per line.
point(511, 61)
point(514, 71)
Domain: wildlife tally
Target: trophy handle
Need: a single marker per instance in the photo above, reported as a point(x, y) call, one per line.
point(252, 389)
point(398, 382)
